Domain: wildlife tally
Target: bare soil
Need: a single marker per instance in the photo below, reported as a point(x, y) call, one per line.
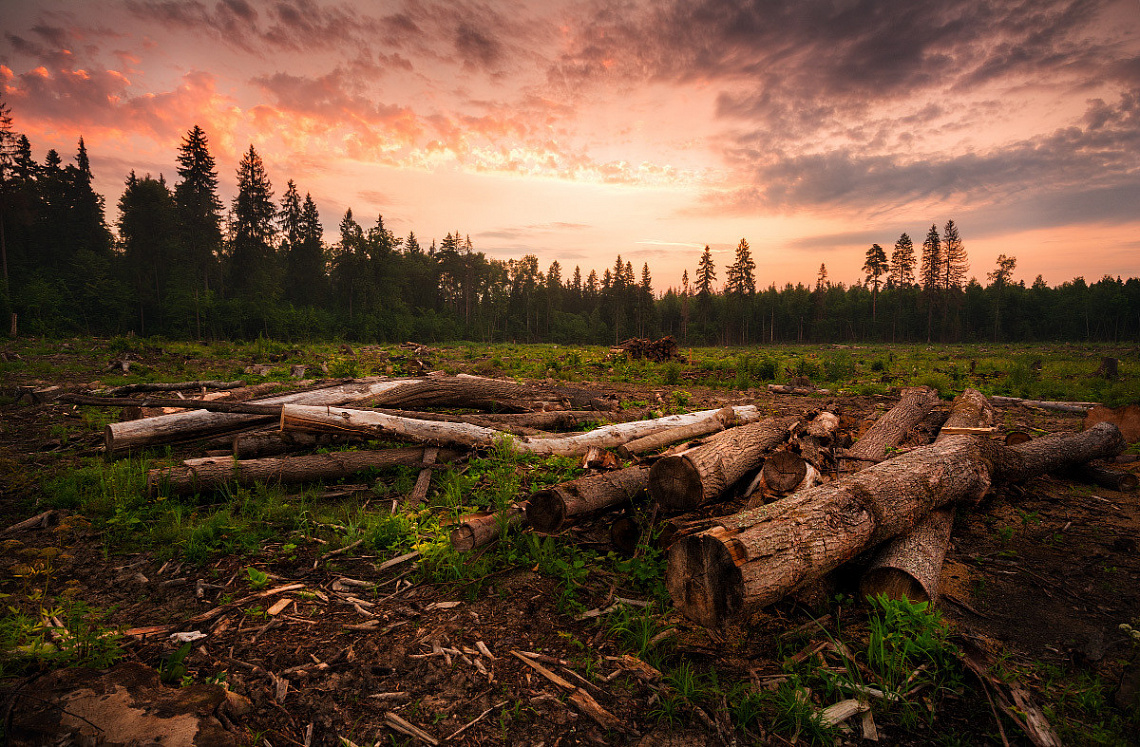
point(1041, 574)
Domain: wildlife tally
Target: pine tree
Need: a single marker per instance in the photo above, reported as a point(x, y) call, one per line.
point(902, 263)
point(7, 178)
point(741, 275)
point(289, 217)
point(252, 259)
point(954, 264)
point(999, 279)
point(706, 273)
point(198, 205)
point(148, 232)
point(305, 275)
point(931, 260)
point(875, 267)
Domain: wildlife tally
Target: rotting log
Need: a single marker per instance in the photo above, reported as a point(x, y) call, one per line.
point(119, 437)
point(702, 474)
point(1113, 479)
point(891, 428)
point(376, 424)
point(553, 509)
point(754, 558)
point(725, 418)
point(209, 473)
point(910, 565)
point(482, 529)
point(120, 391)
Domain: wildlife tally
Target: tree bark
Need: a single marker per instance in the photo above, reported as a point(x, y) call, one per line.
point(119, 391)
point(724, 418)
point(755, 557)
point(1078, 407)
point(209, 473)
point(910, 565)
point(1112, 479)
point(376, 424)
point(480, 393)
point(553, 509)
point(258, 444)
point(700, 475)
point(481, 529)
point(890, 429)
point(180, 426)
point(784, 471)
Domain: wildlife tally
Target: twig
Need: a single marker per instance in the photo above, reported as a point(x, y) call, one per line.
point(338, 551)
point(474, 721)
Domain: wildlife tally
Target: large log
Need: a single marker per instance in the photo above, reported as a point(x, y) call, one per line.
point(756, 557)
point(700, 475)
point(478, 393)
point(553, 509)
point(120, 391)
point(1113, 479)
point(890, 429)
point(910, 565)
point(258, 444)
point(134, 434)
point(1075, 407)
point(376, 424)
point(481, 529)
point(210, 473)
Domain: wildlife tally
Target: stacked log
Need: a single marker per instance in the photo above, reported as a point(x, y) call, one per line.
point(658, 351)
point(553, 509)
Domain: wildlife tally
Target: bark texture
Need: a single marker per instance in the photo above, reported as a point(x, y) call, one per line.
point(554, 509)
point(1078, 407)
point(701, 475)
point(755, 557)
point(725, 418)
point(1112, 479)
point(891, 428)
point(496, 395)
point(482, 529)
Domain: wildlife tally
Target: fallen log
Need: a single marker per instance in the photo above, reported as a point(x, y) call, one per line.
point(178, 386)
point(258, 444)
point(792, 389)
point(784, 471)
point(482, 529)
point(209, 473)
point(1113, 479)
point(891, 428)
point(725, 418)
point(756, 557)
point(553, 509)
point(376, 424)
point(479, 393)
point(119, 437)
point(1078, 407)
point(700, 475)
point(910, 565)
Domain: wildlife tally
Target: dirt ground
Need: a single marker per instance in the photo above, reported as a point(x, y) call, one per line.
point(1040, 574)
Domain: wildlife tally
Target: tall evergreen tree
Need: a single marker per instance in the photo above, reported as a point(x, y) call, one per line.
point(902, 263)
point(199, 207)
point(706, 273)
point(954, 264)
point(148, 233)
point(999, 279)
point(741, 274)
point(7, 178)
point(931, 273)
point(305, 275)
point(875, 267)
point(253, 270)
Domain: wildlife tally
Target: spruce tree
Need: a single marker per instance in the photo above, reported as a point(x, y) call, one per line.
point(741, 275)
point(875, 267)
point(706, 273)
point(253, 271)
point(198, 206)
point(902, 263)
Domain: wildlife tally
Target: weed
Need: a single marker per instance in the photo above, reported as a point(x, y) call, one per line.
point(258, 580)
point(172, 668)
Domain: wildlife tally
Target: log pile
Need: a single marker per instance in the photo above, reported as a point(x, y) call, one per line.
point(640, 348)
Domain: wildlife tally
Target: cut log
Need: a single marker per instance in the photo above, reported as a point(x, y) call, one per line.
point(482, 529)
point(756, 557)
point(1109, 368)
point(701, 475)
point(910, 565)
point(260, 444)
point(625, 533)
point(784, 471)
point(1078, 407)
point(1113, 479)
point(725, 418)
point(553, 509)
point(1013, 438)
point(890, 429)
point(423, 480)
point(119, 437)
point(207, 474)
point(792, 389)
point(375, 424)
point(478, 393)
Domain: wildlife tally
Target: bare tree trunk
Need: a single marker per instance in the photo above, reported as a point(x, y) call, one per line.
point(725, 418)
point(755, 557)
point(209, 473)
point(700, 475)
point(187, 425)
point(553, 509)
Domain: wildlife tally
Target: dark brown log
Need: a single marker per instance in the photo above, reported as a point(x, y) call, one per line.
point(480, 393)
point(625, 533)
point(180, 426)
point(701, 475)
point(910, 565)
point(553, 509)
point(212, 406)
point(423, 481)
point(725, 418)
point(119, 391)
point(1109, 368)
point(1113, 479)
point(1013, 438)
point(784, 471)
point(890, 429)
point(755, 557)
point(481, 529)
point(260, 444)
point(793, 389)
point(204, 475)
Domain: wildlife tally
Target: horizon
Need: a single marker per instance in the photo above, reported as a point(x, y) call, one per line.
point(576, 135)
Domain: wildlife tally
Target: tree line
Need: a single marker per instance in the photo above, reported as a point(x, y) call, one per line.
point(183, 264)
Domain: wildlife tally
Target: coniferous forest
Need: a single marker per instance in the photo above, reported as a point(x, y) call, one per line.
point(183, 264)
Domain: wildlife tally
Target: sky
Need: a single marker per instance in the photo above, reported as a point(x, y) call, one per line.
point(577, 130)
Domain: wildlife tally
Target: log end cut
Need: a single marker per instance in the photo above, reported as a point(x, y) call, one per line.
point(674, 483)
point(704, 581)
point(546, 511)
point(784, 471)
point(895, 583)
point(463, 538)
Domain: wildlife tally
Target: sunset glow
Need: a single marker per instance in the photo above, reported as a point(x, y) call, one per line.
point(577, 131)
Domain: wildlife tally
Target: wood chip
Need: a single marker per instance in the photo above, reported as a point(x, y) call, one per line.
point(841, 711)
point(279, 606)
point(870, 731)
